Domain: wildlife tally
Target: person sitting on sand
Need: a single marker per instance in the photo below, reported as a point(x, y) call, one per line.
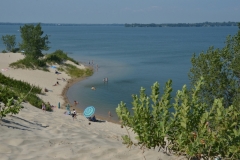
point(94, 118)
point(45, 89)
point(43, 107)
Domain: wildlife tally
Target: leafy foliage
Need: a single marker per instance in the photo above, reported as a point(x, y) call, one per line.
point(59, 57)
point(33, 41)
point(127, 141)
point(192, 129)
point(6, 92)
point(19, 85)
point(13, 88)
point(9, 41)
point(11, 107)
point(221, 72)
point(29, 62)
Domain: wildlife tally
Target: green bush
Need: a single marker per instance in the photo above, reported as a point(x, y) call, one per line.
point(73, 71)
point(52, 59)
point(6, 92)
point(88, 71)
point(59, 57)
point(13, 88)
point(4, 51)
point(11, 107)
point(15, 50)
point(29, 62)
point(192, 129)
point(19, 85)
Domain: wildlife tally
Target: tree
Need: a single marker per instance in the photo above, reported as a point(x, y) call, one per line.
point(33, 41)
point(9, 41)
point(220, 70)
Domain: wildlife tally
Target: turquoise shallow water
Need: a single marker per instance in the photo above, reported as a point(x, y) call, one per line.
point(130, 57)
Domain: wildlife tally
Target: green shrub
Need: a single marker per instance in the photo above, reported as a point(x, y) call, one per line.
point(88, 71)
point(59, 57)
point(29, 62)
point(74, 71)
point(127, 141)
point(4, 51)
point(53, 58)
point(192, 129)
point(21, 86)
point(11, 107)
point(15, 50)
point(6, 92)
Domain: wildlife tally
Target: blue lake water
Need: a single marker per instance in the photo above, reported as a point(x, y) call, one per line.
point(130, 58)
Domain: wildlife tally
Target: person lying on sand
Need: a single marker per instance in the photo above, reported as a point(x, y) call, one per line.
point(56, 72)
point(93, 119)
point(56, 84)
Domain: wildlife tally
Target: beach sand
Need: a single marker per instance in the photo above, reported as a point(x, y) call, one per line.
point(36, 135)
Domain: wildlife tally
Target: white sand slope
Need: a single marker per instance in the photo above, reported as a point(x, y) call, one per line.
point(37, 77)
point(36, 135)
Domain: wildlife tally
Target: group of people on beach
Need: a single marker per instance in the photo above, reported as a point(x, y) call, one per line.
point(44, 108)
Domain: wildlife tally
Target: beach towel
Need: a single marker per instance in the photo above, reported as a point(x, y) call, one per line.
point(53, 67)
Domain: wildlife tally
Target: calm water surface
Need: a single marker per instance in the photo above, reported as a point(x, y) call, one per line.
point(131, 58)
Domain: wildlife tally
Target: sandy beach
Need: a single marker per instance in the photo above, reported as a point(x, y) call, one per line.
point(36, 135)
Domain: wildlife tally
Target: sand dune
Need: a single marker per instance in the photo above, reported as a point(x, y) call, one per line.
point(36, 135)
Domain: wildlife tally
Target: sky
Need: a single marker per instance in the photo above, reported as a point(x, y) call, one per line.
point(119, 11)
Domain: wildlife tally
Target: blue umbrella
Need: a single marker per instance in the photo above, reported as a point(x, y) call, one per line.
point(89, 111)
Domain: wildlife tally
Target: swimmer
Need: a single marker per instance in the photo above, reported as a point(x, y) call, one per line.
point(93, 88)
point(109, 114)
point(75, 102)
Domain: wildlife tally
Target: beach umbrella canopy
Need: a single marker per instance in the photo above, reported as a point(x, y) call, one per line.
point(89, 111)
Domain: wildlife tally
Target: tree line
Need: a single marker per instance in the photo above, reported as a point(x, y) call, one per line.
point(204, 24)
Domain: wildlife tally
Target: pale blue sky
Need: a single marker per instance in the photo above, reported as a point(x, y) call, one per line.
point(119, 11)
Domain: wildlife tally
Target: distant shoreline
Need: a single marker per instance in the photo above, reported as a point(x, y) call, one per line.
point(201, 24)
point(204, 24)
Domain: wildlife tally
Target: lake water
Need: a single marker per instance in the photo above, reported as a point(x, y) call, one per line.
point(130, 58)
